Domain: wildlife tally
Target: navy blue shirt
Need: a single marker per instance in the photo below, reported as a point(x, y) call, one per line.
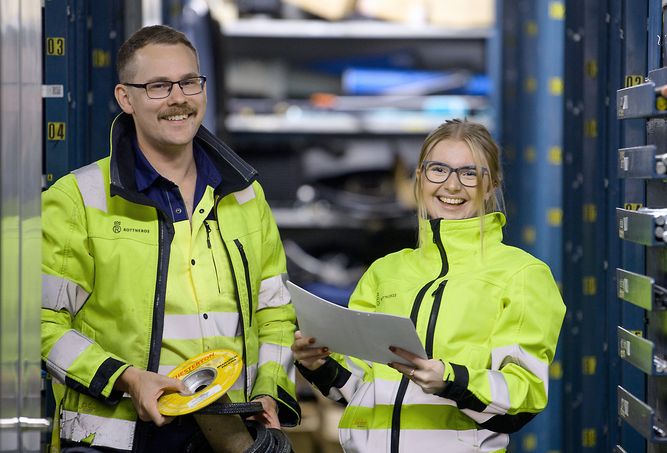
point(164, 192)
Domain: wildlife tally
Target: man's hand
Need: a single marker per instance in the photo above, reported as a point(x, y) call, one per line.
point(145, 387)
point(308, 356)
point(269, 417)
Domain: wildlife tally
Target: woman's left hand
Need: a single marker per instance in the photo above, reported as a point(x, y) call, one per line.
point(426, 373)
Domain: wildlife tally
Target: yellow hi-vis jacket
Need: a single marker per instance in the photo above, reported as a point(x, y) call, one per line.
point(492, 314)
point(106, 252)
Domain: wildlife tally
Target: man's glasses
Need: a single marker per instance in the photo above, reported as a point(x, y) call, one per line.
point(162, 89)
point(438, 173)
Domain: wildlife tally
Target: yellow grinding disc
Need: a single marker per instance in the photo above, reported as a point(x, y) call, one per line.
point(208, 376)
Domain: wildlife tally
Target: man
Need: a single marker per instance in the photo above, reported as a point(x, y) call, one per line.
point(159, 252)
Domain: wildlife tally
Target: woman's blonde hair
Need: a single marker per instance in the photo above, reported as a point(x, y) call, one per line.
point(485, 154)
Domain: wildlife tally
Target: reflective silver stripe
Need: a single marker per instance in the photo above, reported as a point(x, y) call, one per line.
point(165, 369)
point(451, 441)
point(59, 293)
point(91, 186)
point(479, 417)
point(109, 432)
point(245, 195)
point(384, 393)
point(63, 354)
point(515, 354)
point(273, 293)
point(193, 327)
point(500, 395)
point(252, 376)
point(269, 352)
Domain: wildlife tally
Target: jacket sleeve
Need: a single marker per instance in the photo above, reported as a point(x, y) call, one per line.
point(341, 376)
point(276, 321)
point(509, 394)
point(67, 281)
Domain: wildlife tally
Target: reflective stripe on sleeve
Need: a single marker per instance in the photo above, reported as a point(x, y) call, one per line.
point(515, 354)
point(273, 293)
point(108, 432)
point(252, 376)
point(500, 395)
point(63, 354)
point(193, 327)
point(245, 195)
point(269, 352)
point(91, 185)
point(59, 293)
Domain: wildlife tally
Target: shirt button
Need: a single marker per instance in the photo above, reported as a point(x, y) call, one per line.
point(178, 210)
point(201, 211)
point(205, 316)
point(193, 262)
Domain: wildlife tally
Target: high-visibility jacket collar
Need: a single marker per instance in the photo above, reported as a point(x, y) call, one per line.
point(236, 173)
point(459, 238)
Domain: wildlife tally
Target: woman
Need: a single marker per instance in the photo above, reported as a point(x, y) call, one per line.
point(488, 315)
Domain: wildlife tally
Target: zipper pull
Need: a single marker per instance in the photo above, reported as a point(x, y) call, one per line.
point(440, 288)
point(208, 234)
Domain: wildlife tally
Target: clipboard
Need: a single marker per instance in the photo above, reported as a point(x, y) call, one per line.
point(361, 334)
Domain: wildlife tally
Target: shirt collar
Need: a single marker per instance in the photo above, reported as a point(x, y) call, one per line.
point(146, 175)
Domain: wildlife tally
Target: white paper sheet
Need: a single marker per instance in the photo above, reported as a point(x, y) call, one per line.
point(355, 333)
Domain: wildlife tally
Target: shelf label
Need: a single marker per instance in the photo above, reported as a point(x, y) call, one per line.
point(55, 131)
point(55, 46)
point(53, 91)
point(101, 58)
point(633, 79)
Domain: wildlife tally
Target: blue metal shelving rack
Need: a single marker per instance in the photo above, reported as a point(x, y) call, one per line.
point(532, 140)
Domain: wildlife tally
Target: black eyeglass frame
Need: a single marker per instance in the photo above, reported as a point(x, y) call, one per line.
point(201, 78)
point(426, 163)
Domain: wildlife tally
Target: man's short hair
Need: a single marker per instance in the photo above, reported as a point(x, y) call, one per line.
point(153, 34)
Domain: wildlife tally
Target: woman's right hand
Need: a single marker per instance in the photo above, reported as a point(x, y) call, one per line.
point(307, 355)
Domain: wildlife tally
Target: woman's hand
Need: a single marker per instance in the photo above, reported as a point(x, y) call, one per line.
point(307, 355)
point(428, 374)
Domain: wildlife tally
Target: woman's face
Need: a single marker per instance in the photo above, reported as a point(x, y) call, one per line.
point(450, 200)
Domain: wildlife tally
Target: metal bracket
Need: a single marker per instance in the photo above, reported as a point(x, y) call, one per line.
point(640, 352)
point(640, 101)
point(640, 416)
point(644, 226)
point(642, 162)
point(640, 290)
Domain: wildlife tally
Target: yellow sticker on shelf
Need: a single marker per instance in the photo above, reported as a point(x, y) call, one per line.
point(633, 79)
point(55, 47)
point(589, 437)
point(590, 212)
point(557, 10)
point(556, 370)
point(101, 58)
point(632, 206)
point(589, 365)
point(56, 131)
point(556, 155)
point(555, 217)
point(529, 235)
point(589, 286)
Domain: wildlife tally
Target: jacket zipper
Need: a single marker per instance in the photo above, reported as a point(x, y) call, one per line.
point(238, 302)
point(403, 386)
point(142, 430)
point(208, 243)
point(246, 271)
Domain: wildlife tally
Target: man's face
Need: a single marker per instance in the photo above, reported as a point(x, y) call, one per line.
point(163, 125)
